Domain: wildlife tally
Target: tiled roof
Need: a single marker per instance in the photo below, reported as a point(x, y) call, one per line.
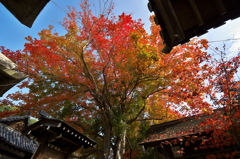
point(16, 139)
point(13, 118)
point(174, 129)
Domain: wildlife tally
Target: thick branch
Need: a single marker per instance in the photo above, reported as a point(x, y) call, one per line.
point(135, 118)
point(87, 69)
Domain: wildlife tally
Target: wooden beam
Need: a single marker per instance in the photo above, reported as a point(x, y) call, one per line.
point(220, 6)
point(165, 18)
point(196, 12)
point(180, 35)
point(165, 11)
point(60, 136)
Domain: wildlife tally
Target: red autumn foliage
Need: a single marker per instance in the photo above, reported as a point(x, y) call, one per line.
point(106, 73)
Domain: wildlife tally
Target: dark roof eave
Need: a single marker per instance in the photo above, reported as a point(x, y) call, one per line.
point(26, 11)
point(56, 123)
point(8, 74)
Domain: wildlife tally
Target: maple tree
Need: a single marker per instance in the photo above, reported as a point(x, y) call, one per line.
point(225, 97)
point(106, 75)
point(219, 128)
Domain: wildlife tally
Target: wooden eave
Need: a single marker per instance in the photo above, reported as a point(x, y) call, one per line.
point(180, 20)
point(11, 152)
point(59, 134)
point(9, 76)
point(8, 79)
point(26, 11)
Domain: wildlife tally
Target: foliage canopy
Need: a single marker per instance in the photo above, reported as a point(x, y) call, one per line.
point(106, 75)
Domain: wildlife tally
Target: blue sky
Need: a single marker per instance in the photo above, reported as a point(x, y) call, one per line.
point(13, 32)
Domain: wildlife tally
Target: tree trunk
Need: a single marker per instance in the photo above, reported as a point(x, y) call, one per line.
point(120, 145)
point(106, 141)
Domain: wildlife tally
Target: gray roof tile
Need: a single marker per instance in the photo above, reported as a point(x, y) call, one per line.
point(13, 118)
point(16, 139)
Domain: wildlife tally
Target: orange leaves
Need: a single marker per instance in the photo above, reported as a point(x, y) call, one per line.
point(204, 43)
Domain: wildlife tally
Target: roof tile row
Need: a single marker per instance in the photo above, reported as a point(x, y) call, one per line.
point(16, 139)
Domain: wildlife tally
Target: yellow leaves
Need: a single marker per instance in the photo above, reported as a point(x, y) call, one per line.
point(204, 110)
point(134, 37)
